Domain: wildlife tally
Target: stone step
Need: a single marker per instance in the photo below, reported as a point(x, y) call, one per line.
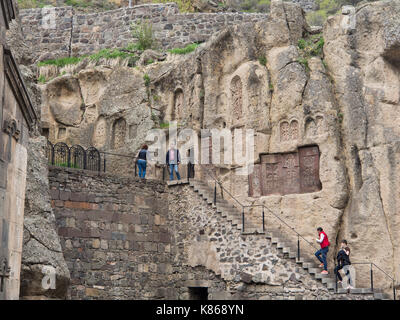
point(331, 285)
point(314, 270)
point(308, 265)
point(233, 214)
point(382, 296)
point(328, 280)
point(281, 245)
point(292, 255)
point(321, 276)
point(304, 260)
point(286, 250)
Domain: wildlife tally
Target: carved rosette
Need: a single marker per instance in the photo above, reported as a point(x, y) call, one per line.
point(237, 97)
point(10, 127)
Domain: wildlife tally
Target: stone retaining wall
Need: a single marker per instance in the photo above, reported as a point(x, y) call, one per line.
point(114, 235)
point(131, 239)
point(59, 32)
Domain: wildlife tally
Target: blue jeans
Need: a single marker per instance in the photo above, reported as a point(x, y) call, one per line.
point(173, 167)
point(324, 252)
point(142, 168)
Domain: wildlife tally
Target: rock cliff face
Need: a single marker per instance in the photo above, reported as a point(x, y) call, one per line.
point(41, 248)
point(363, 58)
point(343, 102)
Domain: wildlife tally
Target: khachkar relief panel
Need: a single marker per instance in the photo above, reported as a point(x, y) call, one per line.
point(178, 105)
point(314, 126)
point(289, 131)
point(237, 98)
point(118, 133)
point(286, 173)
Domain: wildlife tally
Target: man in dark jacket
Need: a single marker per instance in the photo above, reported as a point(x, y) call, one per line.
point(343, 260)
point(173, 159)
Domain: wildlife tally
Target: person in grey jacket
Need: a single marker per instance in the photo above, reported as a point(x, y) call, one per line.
point(173, 159)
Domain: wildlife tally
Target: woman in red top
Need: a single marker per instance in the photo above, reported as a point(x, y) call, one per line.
point(324, 242)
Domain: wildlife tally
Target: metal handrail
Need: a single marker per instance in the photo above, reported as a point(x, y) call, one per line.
point(294, 230)
point(283, 221)
point(372, 264)
point(258, 205)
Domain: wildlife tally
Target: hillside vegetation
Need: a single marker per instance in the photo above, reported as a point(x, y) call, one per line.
point(326, 8)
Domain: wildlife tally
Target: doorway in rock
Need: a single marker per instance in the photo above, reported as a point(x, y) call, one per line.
point(198, 293)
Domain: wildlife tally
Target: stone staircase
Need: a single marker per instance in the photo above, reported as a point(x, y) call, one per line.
point(231, 214)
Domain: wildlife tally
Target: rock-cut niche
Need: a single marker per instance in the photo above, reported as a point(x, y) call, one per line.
point(237, 97)
point(177, 111)
point(289, 132)
point(118, 133)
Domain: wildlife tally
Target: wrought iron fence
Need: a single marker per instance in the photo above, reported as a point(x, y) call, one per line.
point(76, 156)
point(60, 154)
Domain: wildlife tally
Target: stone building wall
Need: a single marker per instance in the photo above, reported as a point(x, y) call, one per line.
point(17, 117)
point(60, 32)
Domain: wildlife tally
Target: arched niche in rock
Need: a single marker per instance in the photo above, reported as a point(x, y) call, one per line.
point(236, 89)
point(178, 109)
point(118, 133)
point(100, 133)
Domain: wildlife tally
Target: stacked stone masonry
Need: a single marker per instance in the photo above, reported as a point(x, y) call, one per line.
point(130, 239)
point(63, 32)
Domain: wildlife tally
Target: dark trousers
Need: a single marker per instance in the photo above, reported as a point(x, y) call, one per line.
point(337, 268)
point(324, 253)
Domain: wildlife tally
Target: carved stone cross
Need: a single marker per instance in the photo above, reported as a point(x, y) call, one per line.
point(4, 273)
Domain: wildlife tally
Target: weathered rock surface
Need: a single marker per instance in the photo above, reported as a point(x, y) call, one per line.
point(41, 248)
point(362, 59)
point(345, 101)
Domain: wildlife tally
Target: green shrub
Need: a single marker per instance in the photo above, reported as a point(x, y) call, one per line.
point(110, 54)
point(146, 79)
point(302, 44)
point(143, 32)
point(189, 48)
point(310, 47)
point(102, 54)
point(62, 62)
point(271, 87)
point(42, 79)
point(304, 62)
point(65, 165)
point(262, 60)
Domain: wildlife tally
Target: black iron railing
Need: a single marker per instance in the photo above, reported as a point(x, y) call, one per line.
point(264, 208)
point(60, 154)
point(189, 171)
point(371, 276)
point(76, 156)
point(298, 235)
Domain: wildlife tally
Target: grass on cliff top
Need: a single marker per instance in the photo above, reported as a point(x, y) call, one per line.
point(189, 48)
point(102, 54)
